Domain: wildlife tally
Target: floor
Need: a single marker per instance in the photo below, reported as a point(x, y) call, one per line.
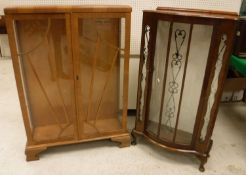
point(228, 155)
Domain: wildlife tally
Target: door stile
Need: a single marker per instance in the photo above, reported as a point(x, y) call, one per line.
point(126, 70)
point(75, 55)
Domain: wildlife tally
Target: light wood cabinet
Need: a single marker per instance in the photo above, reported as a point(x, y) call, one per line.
point(67, 68)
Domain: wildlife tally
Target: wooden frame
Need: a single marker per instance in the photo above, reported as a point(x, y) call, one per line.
point(70, 15)
point(223, 25)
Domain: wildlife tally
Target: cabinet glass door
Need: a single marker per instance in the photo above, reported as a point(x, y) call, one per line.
point(179, 62)
point(97, 49)
point(44, 50)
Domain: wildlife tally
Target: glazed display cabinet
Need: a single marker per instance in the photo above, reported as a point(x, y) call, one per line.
point(67, 64)
point(183, 63)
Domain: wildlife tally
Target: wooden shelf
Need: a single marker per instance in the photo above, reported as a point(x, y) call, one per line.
point(53, 132)
point(182, 137)
point(100, 127)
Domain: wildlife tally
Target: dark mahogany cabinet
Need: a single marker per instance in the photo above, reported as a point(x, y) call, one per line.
point(184, 58)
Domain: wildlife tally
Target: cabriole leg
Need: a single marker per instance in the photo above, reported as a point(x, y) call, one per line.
point(134, 138)
point(203, 162)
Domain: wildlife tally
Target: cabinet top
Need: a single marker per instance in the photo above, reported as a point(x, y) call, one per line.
point(196, 13)
point(68, 9)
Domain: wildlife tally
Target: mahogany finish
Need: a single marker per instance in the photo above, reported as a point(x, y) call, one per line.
point(183, 63)
point(67, 65)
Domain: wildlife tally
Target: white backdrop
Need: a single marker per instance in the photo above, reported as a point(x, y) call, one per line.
point(138, 6)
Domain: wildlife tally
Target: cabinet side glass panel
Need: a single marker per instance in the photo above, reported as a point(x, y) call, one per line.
point(215, 85)
point(142, 85)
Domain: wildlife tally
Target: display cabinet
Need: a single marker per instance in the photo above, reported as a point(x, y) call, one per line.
point(67, 64)
point(183, 63)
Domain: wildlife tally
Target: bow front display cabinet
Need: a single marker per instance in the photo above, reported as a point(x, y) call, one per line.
point(67, 64)
point(184, 58)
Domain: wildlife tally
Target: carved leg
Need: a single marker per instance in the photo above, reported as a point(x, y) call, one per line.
point(32, 153)
point(123, 140)
point(203, 160)
point(209, 147)
point(134, 139)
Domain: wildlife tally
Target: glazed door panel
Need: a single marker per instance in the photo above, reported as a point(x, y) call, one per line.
point(175, 75)
point(192, 86)
point(175, 70)
point(98, 66)
point(158, 75)
point(183, 71)
point(44, 50)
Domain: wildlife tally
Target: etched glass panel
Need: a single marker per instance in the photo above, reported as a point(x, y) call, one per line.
point(175, 72)
point(99, 71)
point(158, 75)
point(214, 85)
point(195, 72)
point(47, 72)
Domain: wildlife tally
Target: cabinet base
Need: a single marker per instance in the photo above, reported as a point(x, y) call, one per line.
point(205, 157)
point(202, 157)
point(32, 151)
point(123, 140)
